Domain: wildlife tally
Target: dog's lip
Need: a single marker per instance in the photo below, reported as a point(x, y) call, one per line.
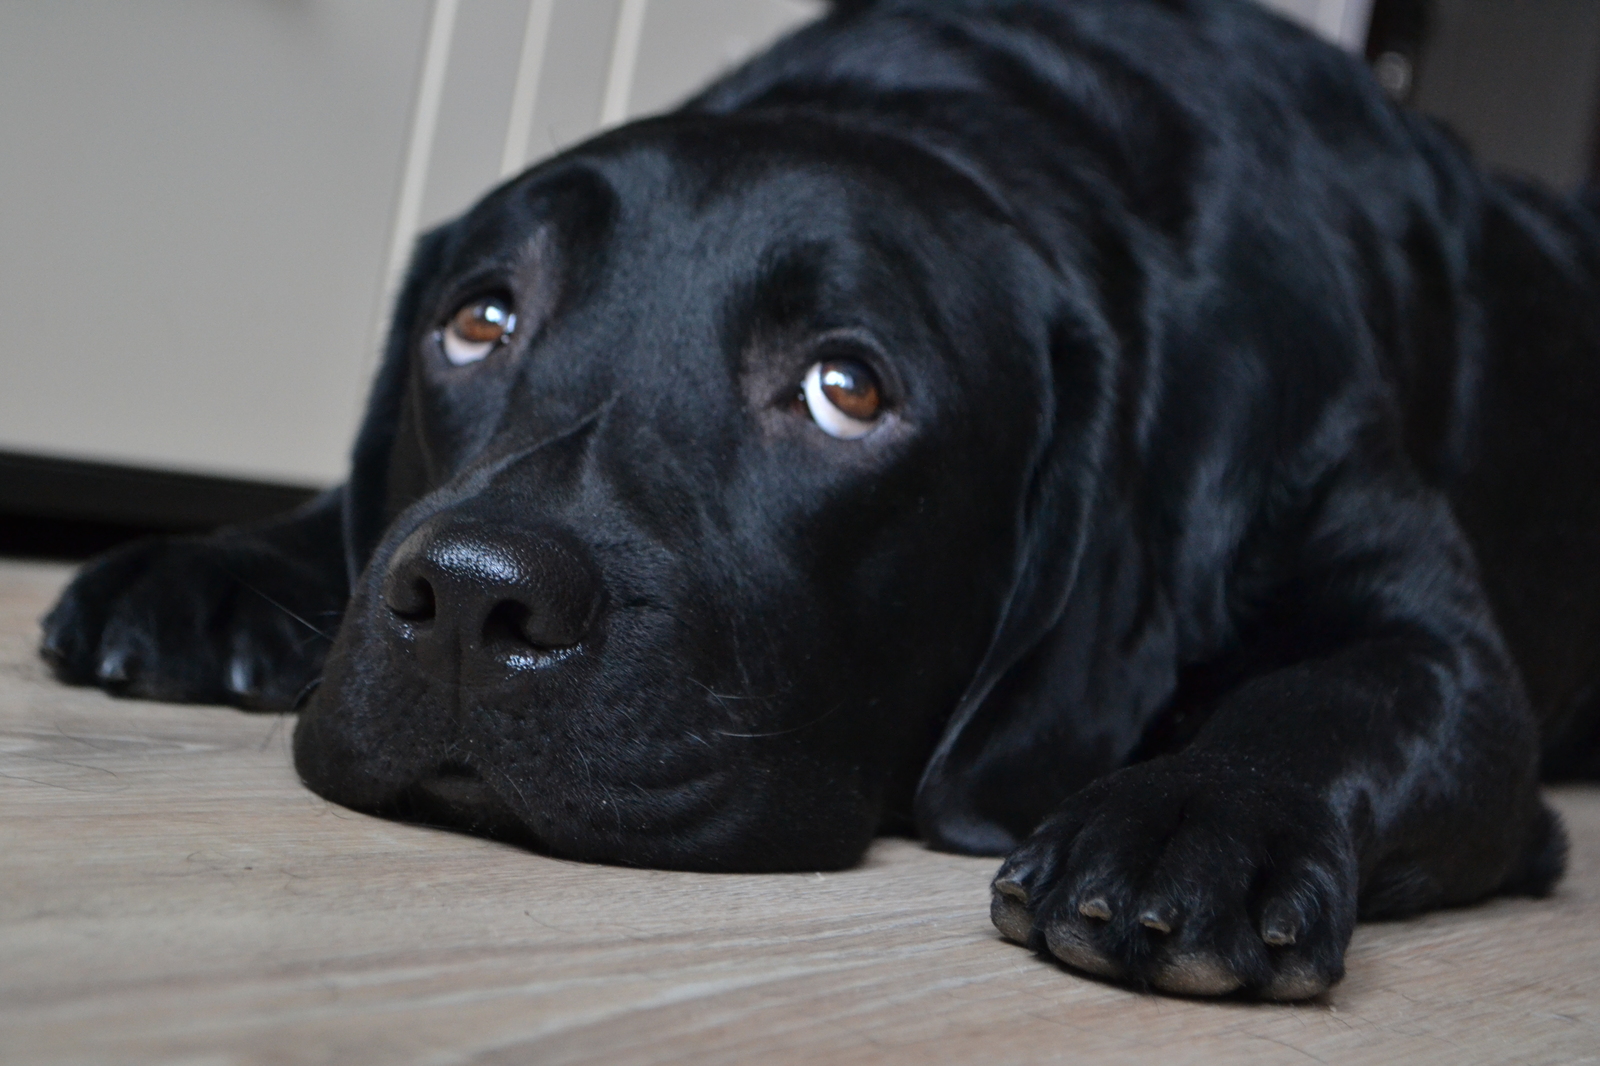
point(456, 797)
point(458, 786)
point(679, 797)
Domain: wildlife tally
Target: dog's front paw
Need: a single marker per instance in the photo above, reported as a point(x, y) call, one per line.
point(1191, 874)
point(202, 620)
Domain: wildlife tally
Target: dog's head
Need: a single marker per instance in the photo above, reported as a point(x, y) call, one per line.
point(705, 487)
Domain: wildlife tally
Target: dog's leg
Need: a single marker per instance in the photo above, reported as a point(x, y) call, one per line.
point(1389, 768)
point(243, 616)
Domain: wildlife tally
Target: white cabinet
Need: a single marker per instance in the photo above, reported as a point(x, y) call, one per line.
point(1341, 21)
point(192, 196)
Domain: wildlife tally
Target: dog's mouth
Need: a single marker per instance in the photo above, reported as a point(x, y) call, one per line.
point(457, 797)
point(458, 786)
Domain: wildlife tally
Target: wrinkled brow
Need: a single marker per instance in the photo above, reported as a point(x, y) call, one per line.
point(783, 296)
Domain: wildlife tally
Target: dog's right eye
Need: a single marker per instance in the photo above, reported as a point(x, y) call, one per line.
point(843, 398)
point(475, 329)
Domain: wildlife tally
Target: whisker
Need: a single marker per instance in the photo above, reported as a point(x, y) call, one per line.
point(280, 606)
point(783, 732)
point(723, 695)
point(304, 695)
point(277, 727)
point(505, 776)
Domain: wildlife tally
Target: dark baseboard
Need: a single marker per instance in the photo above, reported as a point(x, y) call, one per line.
point(67, 509)
point(65, 539)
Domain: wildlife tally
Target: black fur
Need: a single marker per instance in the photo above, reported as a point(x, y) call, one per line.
point(1226, 545)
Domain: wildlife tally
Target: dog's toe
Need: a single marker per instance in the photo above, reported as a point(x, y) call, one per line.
point(1296, 979)
point(1074, 942)
point(1008, 909)
point(1200, 974)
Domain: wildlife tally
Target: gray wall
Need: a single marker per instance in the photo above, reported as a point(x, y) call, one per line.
point(1519, 79)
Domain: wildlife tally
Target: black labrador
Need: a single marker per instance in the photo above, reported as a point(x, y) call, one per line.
point(1101, 432)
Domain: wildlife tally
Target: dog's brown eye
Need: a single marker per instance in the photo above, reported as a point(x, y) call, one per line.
point(475, 330)
point(843, 398)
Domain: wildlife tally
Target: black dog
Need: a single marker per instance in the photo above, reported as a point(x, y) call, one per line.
point(1103, 431)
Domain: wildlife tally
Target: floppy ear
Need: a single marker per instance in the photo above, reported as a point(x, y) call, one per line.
point(1048, 709)
point(366, 498)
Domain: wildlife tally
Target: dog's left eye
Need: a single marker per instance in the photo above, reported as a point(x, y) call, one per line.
point(475, 329)
point(843, 398)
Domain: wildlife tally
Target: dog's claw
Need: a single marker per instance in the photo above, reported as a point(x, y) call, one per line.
point(1279, 926)
point(1007, 887)
point(115, 669)
point(1150, 919)
point(1096, 908)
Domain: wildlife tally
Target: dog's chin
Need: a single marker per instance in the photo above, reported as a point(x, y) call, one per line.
point(725, 819)
point(457, 797)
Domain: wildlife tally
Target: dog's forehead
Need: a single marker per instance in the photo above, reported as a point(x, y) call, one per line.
point(727, 189)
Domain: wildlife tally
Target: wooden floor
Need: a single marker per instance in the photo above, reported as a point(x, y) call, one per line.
point(169, 893)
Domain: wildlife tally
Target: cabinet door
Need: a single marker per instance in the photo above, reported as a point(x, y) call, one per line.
point(1341, 21)
point(195, 204)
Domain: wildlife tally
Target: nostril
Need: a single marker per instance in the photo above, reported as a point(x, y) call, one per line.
point(413, 601)
point(514, 624)
point(507, 623)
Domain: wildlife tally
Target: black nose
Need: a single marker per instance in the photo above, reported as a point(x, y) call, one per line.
point(472, 596)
